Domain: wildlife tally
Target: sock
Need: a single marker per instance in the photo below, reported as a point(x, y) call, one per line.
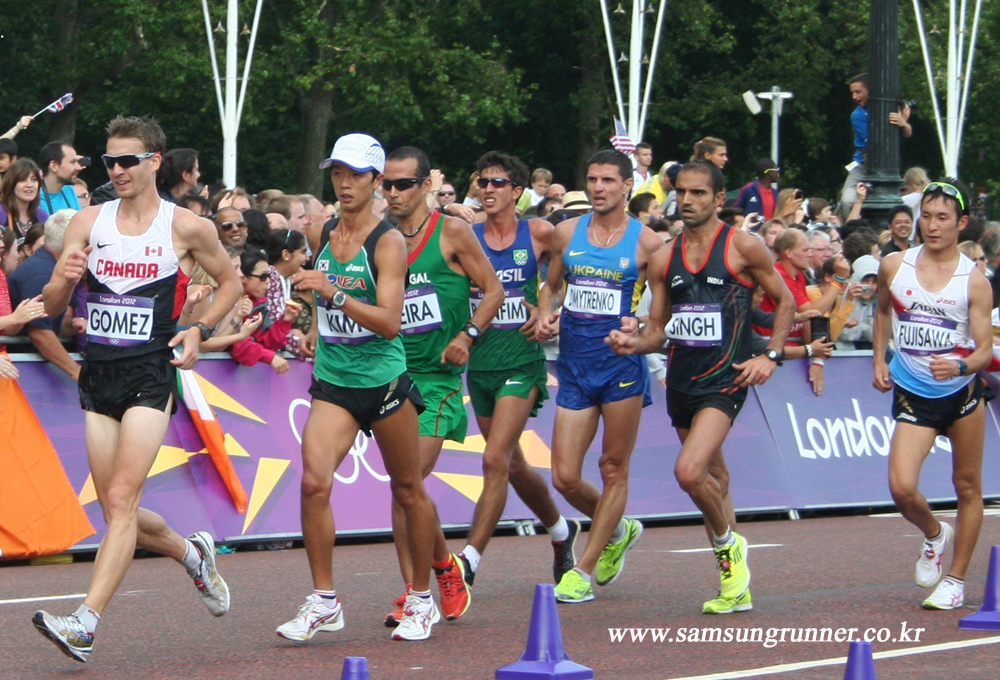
point(723, 540)
point(192, 557)
point(473, 556)
point(443, 565)
point(955, 579)
point(619, 532)
point(425, 594)
point(559, 531)
point(937, 537)
point(329, 597)
point(585, 575)
point(88, 617)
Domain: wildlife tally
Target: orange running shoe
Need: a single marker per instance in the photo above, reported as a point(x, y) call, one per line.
point(456, 595)
point(392, 620)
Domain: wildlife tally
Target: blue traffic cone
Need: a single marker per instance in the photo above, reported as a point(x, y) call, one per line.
point(860, 664)
point(544, 657)
point(988, 616)
point(355, 668)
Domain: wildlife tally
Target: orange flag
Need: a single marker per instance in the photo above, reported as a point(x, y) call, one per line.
point(39, 511)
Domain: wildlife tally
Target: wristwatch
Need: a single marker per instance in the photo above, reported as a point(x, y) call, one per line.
point(338, 300)
point(472, 330)
point(773, 355)
point(963, 368)
point(206, 330)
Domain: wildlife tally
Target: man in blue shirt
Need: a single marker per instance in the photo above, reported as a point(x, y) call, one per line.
point(859, 123)
point(61, 165)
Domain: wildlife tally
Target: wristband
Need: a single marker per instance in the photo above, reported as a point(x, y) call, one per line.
point(838, 286)
point(818, 362)
point(809, 351)
point(840, 279)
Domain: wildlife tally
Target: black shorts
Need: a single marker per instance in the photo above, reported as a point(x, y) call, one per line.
point(369, 404)
point(112, 387)
point(939, 413)
point(682, 407)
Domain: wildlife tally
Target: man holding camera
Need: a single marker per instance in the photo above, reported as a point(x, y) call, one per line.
point(761, 195)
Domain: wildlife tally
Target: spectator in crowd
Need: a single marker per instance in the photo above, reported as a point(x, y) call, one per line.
point(262, 201)
point(178, 174)
point(8, 254)
point(770, 231)
point(541, 178)
point(27, 282)
point(990, 242)
point(853, 225)
point(276, 221)
point(842, 306)
point(258, 229)
point(288, 207)
point(711, 149)
point(286, 254)
point(731, 216)
point(661, 185)
point(379, 205)
point(819, 213)
point(232, 198)
point(974, 252)
point(645, 207)
point(60, 164)
point(863, 295)
point(556, 191)
point(547, 206)
point(472, 195)
point(12, 320)
point(277, 203)
point(643, 159)
point(836, 242)
point(200, 293)
point(330, 210)
point(761, 195)
point(578, 202)
point(314, 212)
point(8, 154)
point(973, 230)
point(863, 241)
point(33, 239)
point(446, 195)
point(263, 345)
point(789, 207)
point(196, 203)
point(900, 228)
point(820, 251)
point(19, 197)
point(82, 192)
point(19, 127)
point(914, 182)
point(232, 228)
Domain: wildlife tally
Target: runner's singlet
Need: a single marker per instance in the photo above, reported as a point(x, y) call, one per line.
point(709, 327)
point(435, 308)
point(601, 288)
point(503, 346)
point(349, 355)
point(925, 323)
point(137, 289)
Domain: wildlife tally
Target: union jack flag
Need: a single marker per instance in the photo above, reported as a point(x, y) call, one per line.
point(621, 141)
point(61, 103)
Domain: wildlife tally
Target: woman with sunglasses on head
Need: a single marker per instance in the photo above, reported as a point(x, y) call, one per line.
point(263, 345)
point(789, 208)
point(286, 253)
point(19, 197)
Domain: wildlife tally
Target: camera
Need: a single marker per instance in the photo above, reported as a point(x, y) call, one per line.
point(866, 288)
point(903, 103)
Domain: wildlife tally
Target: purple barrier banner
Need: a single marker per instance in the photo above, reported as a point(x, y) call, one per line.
point(788, 449)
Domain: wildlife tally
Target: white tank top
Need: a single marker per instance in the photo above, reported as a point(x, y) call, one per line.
point(121, 262)
point(925, 323)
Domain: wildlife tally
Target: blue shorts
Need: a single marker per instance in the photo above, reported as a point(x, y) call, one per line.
point(592, 381)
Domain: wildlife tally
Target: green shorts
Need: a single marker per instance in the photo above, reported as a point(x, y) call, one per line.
point(445, 415)
point(485, 387)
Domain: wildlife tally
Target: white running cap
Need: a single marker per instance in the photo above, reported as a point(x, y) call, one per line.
point(358, 151)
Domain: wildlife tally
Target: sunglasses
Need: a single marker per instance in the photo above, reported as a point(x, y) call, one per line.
point(260, 277)
point(774, 170)
point(946, 189)
point(226, 226)
point(126, 160)
point(497, 182)
point(402, 184)
point(446, 193)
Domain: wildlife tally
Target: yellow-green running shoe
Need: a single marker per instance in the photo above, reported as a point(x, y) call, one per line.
point(734, 573)
point(573, 588)
point(612, 559)
point(721, 605)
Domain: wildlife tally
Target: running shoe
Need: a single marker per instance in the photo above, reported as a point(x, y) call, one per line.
point(573, 588)
point(929, 565)
point(612, 560)
point(456, 595)
point(67, 633)
point(419, 616)
point(721, 605)
point(469, 575)
point(210, 584)
point(950, 594)
point(565, 552)
point(734, 572)
point(315, 615)
point(392, 619)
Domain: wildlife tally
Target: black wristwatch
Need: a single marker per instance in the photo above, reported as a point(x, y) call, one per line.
point(206, 330)
point(774, 355)
point(963, 367)
point(472, 330)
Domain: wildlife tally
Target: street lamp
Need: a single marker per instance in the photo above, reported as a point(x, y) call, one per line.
point(777, 98)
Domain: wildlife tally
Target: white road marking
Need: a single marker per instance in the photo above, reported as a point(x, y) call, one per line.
point(705, 550)
point(62, 597)
point(804, 665)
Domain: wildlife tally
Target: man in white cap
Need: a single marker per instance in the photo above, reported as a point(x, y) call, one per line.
point(360, 383)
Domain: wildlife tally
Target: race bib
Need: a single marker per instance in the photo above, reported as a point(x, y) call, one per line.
point(337, 328)
point(695, 324)
point(924, 334)
point(119, 320)
point(421, 310)
point(588, 298)
point(512, 313)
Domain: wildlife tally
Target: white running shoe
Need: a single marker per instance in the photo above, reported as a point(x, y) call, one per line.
point(950, 594)
point(313, 617)
point(929, 565)
point(67, 633)
point(207, 579)
point(419, 615)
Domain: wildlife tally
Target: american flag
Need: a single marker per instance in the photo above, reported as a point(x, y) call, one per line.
point(61, 103)
point(621, 141)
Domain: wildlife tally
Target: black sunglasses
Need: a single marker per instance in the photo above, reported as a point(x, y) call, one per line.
point(126, 160)
point(261, 277)
point(497, 182)
point(402, 184)
point(446, 193)
point(226, 226)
